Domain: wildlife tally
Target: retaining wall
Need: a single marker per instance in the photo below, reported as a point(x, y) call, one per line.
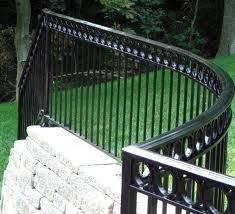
point(52, 171)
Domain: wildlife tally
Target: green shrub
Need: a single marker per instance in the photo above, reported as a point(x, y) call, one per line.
point(7, 65)
point(156, 20)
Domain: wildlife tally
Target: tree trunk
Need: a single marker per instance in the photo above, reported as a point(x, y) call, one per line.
point(227, 40)
point(22, 36)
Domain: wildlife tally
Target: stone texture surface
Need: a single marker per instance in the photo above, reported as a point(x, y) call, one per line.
point(55, 172)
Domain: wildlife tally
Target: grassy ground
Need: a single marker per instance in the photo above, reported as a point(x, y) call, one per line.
point(8, 116)
point(127, 123)
point(8, 128)
point(228, 64)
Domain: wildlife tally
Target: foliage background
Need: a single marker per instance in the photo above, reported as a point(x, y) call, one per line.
point(182, 23)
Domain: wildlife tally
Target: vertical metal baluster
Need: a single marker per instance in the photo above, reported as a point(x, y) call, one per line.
point(99, 91)
point(209, 99)
point(192, 100)
point(223, 156)
point(41, 74)
point(46, 70)
point(51, 72)
point(203, 109)
point(34, 101)
point(105, 99)
point(198, 99)
point(20, 116)
point(152, 202)
point(222, 196)
point(138, 104)
point(33, 104)
point(225, 152)
point(29, 87)
point(154, 99)
point(124, 104)
point(93, 92)
point(87, 90)
point(82, 83)
point(117, 109)
point(76, 66)
point(128, 196)
point(27, 102)
point(53, 75)
point(22, 113)
point(152, 205)
point(162, 101)
point(61, 77)
point(56, 74)
point(31, 91)
point(213, 163)
point(32, 108)
point(218, 169)
point(208, 154)
point(34, 83)
point(146, 101)
point(204, 99)
point(29, 95)
point(19, 113)
point(25, 111)
point(66, 79)
point(25, 108)
point(214, 160)
point(178, 100)
point(37, 78)
point(132, 99)
point(185, 99)
point(165, 184)
point(71, 70)
point(170, 99)
point(111, 104)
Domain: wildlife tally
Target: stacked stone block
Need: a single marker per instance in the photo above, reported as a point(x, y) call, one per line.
point(55, 172)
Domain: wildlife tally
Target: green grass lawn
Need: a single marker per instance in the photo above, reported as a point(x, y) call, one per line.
point(126, 127)
point(8, 129)
point(8, 115)
point(228, 64)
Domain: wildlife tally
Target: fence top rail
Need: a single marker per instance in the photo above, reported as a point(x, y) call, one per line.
point(149, 157)
point(227, 86)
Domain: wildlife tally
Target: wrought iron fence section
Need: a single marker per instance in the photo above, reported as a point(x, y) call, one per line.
point(210, 192)
point(114, 89)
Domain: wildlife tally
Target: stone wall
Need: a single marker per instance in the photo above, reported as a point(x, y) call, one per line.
point(55, 172)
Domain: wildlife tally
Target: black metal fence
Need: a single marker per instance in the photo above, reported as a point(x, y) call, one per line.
point(114, 90)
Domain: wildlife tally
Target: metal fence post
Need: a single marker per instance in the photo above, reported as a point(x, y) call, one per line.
point(128, 197)
point(46, 70)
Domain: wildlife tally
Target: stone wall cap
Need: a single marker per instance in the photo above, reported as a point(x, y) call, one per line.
point(68, 148)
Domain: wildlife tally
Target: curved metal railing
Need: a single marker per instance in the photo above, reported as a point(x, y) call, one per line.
point(114, 89)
